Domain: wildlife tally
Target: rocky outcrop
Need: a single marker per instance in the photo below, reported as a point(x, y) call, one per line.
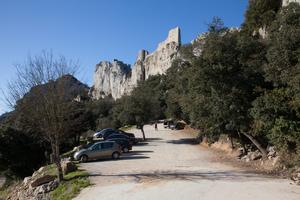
point(110, 78)
point(116, 78)
point(35, 187)
point(287, 2)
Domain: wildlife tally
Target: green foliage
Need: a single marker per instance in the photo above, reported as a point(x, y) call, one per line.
point(260, 13)
point(102, 116)
point(216, 26)
point(284, 49)
point(276, 112)
point(16, 152)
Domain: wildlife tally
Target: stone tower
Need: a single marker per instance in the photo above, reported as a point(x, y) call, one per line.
point(173, 37)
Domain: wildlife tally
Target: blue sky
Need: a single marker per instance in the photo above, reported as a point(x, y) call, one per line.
point(95, 30)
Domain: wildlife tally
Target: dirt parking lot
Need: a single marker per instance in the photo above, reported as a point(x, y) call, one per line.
point(170, 166)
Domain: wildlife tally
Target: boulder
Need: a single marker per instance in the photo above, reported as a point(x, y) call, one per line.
point(271, 152)
point(68, 166)
point(295, 176)
point(42, 180)
point(255, 155)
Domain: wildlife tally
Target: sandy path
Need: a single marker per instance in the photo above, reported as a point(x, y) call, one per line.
point(168, 166)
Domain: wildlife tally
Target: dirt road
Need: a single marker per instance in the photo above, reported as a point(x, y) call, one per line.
point(169, 166)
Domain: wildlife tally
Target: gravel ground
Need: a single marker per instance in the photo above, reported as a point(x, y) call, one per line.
point(169, 166)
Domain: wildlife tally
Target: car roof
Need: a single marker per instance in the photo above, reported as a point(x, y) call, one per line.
point(104, 142)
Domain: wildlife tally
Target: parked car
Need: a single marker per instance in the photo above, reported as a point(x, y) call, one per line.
point(99, 150)
point(130, 135)
point(125, 144)
point(178, 125)
point(104, 133)
point(122, 136)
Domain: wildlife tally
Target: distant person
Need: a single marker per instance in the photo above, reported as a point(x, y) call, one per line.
point(155, 126)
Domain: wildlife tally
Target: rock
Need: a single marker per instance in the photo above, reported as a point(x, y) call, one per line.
point(68, 166)
point(52, 185)
point(42, 180)
point(41, 169)
point(271, 152)
point(287, 2)
point(245, 158)
point(255, 155)
point(27, 180)
point(295, 176)
point(117, 78)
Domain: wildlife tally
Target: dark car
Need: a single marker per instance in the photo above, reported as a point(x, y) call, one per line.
point(130, 135)
point(168, 123)
point(104, 133)
point(122, 136)
point(125, 144)
point(177, 126)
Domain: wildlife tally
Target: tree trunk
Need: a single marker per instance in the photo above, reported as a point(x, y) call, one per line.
point(56, 160)
point(142, 129)
point(231, 140)
point(242, 143)
point(256, 143)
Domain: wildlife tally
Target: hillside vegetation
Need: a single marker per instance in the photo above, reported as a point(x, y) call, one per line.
point(243, 85)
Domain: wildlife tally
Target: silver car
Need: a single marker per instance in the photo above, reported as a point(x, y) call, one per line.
point(99, 150)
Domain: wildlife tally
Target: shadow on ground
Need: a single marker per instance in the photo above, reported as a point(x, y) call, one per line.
point(189, 176)
point(184, 141)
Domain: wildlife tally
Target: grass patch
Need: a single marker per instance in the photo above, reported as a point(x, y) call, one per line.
point(50, 170)
point(73, 183)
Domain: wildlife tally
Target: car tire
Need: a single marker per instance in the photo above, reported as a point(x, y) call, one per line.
point(115, 155)
point(84, 158)
point(125, 150)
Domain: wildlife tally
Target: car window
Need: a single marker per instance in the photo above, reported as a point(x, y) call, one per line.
point(106, 145)
point(96, 147)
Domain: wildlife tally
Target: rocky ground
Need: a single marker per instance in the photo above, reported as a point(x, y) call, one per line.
point(169, 165)
point(2, 180)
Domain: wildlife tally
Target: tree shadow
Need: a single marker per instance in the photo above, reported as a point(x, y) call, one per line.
point(191, 176)
point(141, 144)
point(153, 139)
point(133, 157)
point(192, 141)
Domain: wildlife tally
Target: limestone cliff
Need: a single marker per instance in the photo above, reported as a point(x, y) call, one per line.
point(116, 78)
point(287, 2)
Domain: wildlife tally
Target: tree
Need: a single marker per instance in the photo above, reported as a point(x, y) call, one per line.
point(260, 14)
point(144, 104)
point(43, 101)
point(276, 112)
point(216, 25)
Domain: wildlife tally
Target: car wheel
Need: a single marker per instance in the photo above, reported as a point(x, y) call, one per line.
point(125, 150)
point(83, 158)
point(116, 155)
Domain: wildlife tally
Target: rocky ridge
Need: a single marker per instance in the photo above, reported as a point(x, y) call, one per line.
point(117, 78)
